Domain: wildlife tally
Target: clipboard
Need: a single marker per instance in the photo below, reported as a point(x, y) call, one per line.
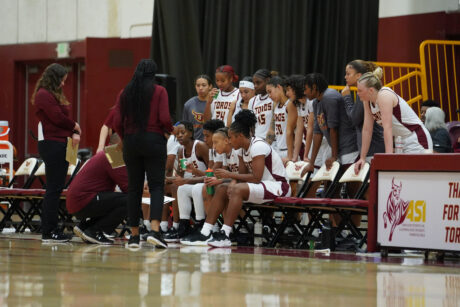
point(114, 156)
point(71, 152)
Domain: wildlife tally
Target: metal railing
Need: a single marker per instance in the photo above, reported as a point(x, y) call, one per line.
point(440, 61)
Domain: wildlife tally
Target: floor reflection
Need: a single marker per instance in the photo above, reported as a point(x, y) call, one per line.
point(33, 274)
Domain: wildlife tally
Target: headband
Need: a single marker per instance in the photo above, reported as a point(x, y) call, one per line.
point(247, 84)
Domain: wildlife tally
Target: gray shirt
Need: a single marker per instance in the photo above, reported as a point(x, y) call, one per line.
point(330, 113)
point(355, 112)
point(194, 113)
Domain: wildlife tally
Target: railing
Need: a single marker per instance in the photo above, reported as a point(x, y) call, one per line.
point(440, 61)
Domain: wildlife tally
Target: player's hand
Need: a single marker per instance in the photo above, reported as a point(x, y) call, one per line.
point(359, 165)
point(212, 181)
point(329, 162)
point(346, 91)
point(222, 173)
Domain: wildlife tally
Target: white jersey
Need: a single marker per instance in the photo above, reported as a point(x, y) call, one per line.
point(193, 159)
point(405, 123)
point(232, 161)
point(262, 106)
point(238, 108)
point(220, 106)
point(281, 117)
point(273, 180)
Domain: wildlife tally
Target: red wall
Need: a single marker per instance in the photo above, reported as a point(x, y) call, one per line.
point(399, 37)
point(101, 85)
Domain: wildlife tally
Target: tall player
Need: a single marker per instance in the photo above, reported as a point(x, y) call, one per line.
point(261, 104)
point(283, 110)
point(219, 107)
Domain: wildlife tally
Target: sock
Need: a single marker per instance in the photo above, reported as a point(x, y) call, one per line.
point(215, 228)
point(164, 226)
point(227, 229)
point(176, 225)
point(206, 230)
point(147, 225)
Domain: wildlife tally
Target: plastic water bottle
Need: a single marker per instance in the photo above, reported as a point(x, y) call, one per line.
point(399, 145)
point(258, 234)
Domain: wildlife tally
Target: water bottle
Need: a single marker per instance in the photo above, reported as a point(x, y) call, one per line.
point(399, 145)
point(210, 189)
point(258, 234)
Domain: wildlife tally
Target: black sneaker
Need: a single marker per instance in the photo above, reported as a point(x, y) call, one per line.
point(96, 237)
point(172, 235)
point(143, 232)
point(133, 242)
point(196, 239)
point(56, 237)
point(156, 238)
point(220, 239)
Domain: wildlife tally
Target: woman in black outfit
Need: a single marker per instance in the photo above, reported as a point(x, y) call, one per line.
point(52, 109)
point(143, 120)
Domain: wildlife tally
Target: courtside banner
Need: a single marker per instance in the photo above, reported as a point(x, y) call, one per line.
point(419, 210)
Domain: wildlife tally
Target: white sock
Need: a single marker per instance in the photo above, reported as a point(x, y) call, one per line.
point(164, 226)
point(176, 225)
point(206, 230)
point(215, 228)
point(147, 225)
point(227, 229)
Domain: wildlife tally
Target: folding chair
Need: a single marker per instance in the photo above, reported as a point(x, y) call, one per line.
point(356, 205)
point(14, 196)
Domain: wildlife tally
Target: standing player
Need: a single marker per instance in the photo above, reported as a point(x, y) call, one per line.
point(194, 107)
point(283, 109)
point(261, 104)
point(384, 106)
point(219, 107)
point(246, 93)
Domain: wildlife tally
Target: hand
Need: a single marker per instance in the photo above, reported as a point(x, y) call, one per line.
point(346, 90)
point(178, 181)
point(77, 128)
point(285, 160)
point(212, 181)
point(308, 169)
point(329, 162)
point(359, 165)
point(99, 149)
point(75, 139)
point(305, 159)
point(212, 93)
point(222, 173)
point(190, 168)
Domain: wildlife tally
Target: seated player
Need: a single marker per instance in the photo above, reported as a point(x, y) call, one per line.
point(91, 197)
point(196, 154)
point(261, 178)
point(230, 161)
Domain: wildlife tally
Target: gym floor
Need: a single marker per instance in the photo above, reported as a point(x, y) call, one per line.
point(78, 274)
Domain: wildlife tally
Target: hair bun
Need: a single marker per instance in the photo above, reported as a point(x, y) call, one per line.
point(378, 72)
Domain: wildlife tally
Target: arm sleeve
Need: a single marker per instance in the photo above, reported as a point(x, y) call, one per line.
point(354, 110)
point(331, 106)
point(163, 110)
point(46, 102)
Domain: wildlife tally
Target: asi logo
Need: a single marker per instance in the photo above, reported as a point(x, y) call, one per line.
point(199, 117)
point(396, 208)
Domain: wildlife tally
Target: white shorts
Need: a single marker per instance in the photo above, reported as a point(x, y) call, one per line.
point(258, 191)
point(349, 158)
point(282, 153)
point(411, 144)
point(323, 154)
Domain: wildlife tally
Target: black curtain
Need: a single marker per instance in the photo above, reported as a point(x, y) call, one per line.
point(191, 37)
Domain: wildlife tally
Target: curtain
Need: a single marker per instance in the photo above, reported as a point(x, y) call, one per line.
point(192, 37)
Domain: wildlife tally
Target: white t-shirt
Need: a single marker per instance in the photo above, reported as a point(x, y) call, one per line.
point(220, 106)
point(262, 106)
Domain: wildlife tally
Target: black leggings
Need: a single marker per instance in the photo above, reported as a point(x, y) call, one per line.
point(145, 152)
point(53, 155)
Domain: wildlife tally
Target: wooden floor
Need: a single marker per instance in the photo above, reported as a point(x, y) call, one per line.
point(77, 274)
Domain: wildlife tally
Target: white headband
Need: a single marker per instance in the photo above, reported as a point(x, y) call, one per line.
point(247, 84)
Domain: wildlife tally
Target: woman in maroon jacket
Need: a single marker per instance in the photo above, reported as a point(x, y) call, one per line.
point(142, 121)
point(52, 109)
